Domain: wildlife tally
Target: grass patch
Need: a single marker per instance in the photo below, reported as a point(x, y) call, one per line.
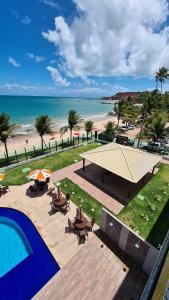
point(35, 152)
point(149, 216)
point(91, 207)
point(54, 162)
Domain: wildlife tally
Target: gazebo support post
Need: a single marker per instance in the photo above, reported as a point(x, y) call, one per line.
point(153, 169)
point(142, 180)
point(83, 164)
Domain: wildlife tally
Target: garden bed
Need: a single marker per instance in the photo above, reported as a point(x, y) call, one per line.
point(147, 213)
point(91, 207)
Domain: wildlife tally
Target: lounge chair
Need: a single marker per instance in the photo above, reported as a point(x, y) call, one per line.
point(68, 205)
point(63, 209)
point(51, 190)
point(33, 188)
point(54, 207)
point(90, 224)
point(6, 188)
point(83, 234)
point(71, 224)
point(47, 180)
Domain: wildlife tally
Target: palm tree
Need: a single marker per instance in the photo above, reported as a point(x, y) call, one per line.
point(161, 75)
point(6, 129)
point(155, 127)
point(119, 110)
point(110, 130)
point(131, 113)
point(145, 99)
point(73, 121)
point(43, 126)
point(89, 125)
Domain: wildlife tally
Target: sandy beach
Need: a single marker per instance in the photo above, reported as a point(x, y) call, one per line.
point(18, 142)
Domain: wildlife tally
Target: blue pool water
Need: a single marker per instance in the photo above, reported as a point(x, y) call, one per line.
point(26, 263)
point(14, 247)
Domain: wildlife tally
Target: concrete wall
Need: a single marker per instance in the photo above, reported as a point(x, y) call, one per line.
point(127, 240)
point(153, 278)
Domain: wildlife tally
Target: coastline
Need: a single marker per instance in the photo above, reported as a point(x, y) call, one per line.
point(29, 128)
point(18, 142)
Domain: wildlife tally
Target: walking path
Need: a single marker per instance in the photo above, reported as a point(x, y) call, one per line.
point(69, 172)
point(96, 272)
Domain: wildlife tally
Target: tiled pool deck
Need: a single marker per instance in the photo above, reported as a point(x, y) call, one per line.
point(51, 227)
point(87, 270)
point(96, 273)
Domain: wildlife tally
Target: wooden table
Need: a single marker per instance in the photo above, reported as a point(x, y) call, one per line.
point(60, 202)
point(81, 225)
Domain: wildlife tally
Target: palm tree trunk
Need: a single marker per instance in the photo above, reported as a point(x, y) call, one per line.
point(42, 143)
point(6, 150)
point(161, 88)
point(141, 129)
point(156, 84)
point(87, 135)
point(71, 135)
point(118, 120)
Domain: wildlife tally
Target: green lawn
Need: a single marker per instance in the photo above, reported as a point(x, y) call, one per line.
point(90, 206)
point(149, 217)
point(54, 162)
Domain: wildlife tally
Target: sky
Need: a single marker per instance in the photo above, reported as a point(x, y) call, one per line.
point(82, 47)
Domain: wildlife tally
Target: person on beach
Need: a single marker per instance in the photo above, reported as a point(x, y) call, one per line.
point(26, 141)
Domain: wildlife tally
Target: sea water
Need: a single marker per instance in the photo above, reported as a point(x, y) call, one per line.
point(25, 109)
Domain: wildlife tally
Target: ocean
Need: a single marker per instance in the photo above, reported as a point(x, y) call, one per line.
point(25, 109)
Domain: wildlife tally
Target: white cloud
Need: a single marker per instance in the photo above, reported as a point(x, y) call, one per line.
point(75, 90)
point(113, 37)
point(13, 62)
point(26, 20)
point(15, 87)
point(50, 3)
point(36, 58)
point(95, 90)
point(26, 89)
point(53, 61)
point(57, 77)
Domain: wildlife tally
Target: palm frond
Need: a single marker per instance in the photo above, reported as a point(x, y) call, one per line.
point(63, 130)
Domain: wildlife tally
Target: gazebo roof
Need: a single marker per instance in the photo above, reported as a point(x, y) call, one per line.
point(126, 162)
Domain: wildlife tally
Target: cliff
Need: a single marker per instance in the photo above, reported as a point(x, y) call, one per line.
point(124, 96)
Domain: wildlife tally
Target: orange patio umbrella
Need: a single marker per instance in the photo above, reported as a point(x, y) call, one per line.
point(2, 176)
point(40, 175)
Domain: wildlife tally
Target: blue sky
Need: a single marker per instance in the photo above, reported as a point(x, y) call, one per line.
point(81, 48)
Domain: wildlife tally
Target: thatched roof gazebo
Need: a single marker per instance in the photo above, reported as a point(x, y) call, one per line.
point(128, 163)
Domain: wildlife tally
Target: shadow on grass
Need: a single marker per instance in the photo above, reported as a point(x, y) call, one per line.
point(123, 191)
point(159, 230)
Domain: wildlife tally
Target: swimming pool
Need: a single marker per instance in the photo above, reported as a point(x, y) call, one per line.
point(14, 246)
point(26, 263)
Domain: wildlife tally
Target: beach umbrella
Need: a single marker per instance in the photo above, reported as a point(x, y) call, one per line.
point(40, 175)
point(76, 133)
point(2, 176)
